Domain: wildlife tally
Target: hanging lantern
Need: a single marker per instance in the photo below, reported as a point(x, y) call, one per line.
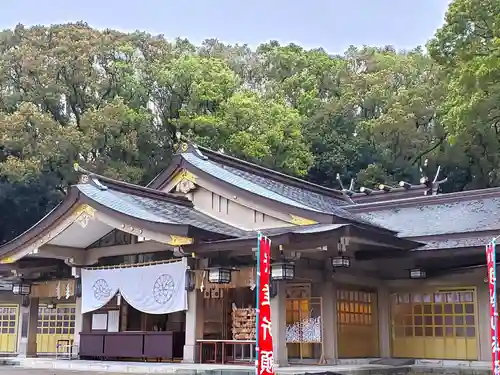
point(282, 271)
point(341, 262)
point(21, 289)
point(417, 273)
point(190, 280)
point(219, 275)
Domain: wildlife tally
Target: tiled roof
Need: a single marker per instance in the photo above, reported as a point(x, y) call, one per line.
point(308, 198)
point(455, 243)
point(225, 175)
point(275, 190)
point(296, 229)
point(157, 211)
point(479, 214)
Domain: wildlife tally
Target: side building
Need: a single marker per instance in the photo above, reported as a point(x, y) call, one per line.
point(394, 274)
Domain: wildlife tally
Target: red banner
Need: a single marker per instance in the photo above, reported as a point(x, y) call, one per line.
point(265, 358)
point(491, 266)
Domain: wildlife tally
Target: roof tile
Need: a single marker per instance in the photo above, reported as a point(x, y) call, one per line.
point(275, 190)
point(434, 219)
point(156, 210)
point(225, 175)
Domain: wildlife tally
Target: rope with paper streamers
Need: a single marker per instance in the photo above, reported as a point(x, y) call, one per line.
point(143, 264)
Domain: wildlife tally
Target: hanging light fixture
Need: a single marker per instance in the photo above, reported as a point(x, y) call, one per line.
point(417, 273)
point(341, 261)
point(190, 280)
point(219, 275)
point(282, 271)
point(21, 289)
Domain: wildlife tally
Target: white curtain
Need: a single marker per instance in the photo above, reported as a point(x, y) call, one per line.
point(98, 287)
point(158, 289)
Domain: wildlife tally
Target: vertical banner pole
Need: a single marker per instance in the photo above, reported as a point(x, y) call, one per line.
point(495, 306)
point(264, 347)
point(257, 302)
point(491, 267)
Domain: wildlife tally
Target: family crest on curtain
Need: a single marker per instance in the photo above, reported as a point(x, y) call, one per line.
point(157, 289)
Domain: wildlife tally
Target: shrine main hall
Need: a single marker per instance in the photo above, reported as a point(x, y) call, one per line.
point(167, 272)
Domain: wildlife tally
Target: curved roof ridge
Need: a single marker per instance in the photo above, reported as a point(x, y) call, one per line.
point(128, 187)
point(427, 199)
point(267, 172)
point(224, 175)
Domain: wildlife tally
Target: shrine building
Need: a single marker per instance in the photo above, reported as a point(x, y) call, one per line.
point(167, 272)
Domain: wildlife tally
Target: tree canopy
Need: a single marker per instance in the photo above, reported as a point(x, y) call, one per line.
point(115, 101)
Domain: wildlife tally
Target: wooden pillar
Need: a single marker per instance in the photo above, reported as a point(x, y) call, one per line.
point(78, 321)
point(194, 326)
point(384, 321)
point(278, 318)
point(29, 324)
point(329, 320)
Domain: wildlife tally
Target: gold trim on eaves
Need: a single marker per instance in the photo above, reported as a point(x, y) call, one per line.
point(297, 220)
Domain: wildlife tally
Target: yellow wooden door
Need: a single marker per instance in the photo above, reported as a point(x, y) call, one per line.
point(9, 318)
point(54, 325)
point(435, 325)
point(357, 324)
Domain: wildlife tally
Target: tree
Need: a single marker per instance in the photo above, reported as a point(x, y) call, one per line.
point(379, 120)
point(395, 96)
point(115, 101)
point(259, 130)
point(70, 93)
point(467, 48)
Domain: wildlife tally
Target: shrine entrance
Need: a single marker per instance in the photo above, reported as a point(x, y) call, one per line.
point(56, 315)
point(229, 316)
point(304, 327)
point(55, 324)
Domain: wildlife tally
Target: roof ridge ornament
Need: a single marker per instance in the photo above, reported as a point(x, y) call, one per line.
point(347, 193)
point(185, 145)
point(88, 177)
point(98, 184)
point(426, 186)
point(432, 186)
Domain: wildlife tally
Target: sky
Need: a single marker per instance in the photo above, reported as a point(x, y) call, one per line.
point(331, 24)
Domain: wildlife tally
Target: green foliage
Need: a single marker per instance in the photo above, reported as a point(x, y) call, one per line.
point(114, 102)
point(467, 48)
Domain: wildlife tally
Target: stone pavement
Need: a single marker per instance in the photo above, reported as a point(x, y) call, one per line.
point(9, 370)
point(63, 367)
point(51, 366)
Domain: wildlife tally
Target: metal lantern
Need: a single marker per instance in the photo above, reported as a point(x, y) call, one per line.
point(220, 275)
point(417, 273)
point(341, 262)
point(282, 271)
point(190, 280)
point(21, 289)
point(78, 287)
